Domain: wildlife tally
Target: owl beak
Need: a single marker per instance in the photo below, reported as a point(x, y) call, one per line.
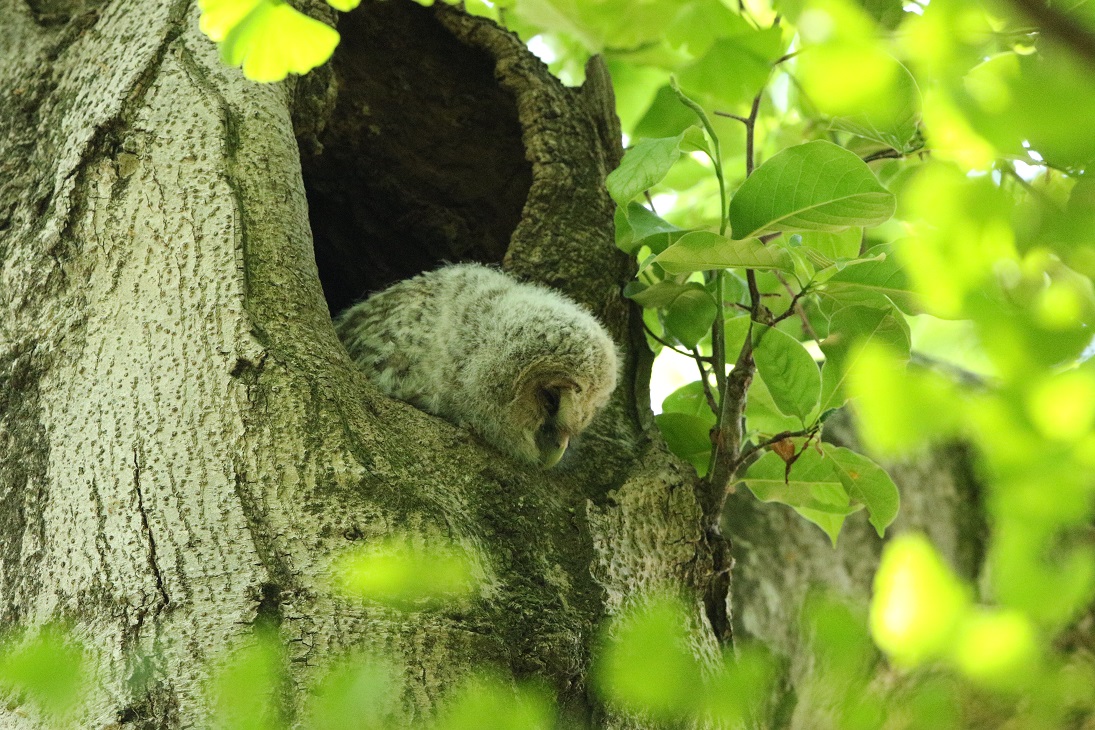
point(550, 456)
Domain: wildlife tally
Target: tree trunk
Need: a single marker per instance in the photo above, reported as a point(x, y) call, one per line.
point(184, 444)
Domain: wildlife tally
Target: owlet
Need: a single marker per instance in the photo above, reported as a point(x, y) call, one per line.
point(521, 365)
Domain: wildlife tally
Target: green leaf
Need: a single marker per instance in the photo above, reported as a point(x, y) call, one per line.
point(690, 399)
point(644, 165)
point(690, 316)
point(734, 69)
point(816, 186)
point(833, 245)
point(51, 668)
point(689, 437)
point(849, 329)
point(792, 376)
point(892, 117)
point(269, 39)
point(882, 275)
point(868, 483)
point(402, 573)
point(344, 6)
point(762, 415)
point(812, 489)
point(704, 250)
point(636, 226)
point(657, 295)
point(649, 666)
point(491, 701)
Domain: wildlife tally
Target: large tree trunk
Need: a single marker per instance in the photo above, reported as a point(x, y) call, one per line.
point(184, 444)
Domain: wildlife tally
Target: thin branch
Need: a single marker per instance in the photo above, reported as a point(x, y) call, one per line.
point(1068, 29)
point(796, 307)
point(791, 309)
point(750, 134)
point(728, 115)
point(890, 154)
point(694, 355)
point(786, 57)
point(750, 450)
point(703, 379)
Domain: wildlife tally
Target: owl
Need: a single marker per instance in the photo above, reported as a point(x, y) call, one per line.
point(521, 365)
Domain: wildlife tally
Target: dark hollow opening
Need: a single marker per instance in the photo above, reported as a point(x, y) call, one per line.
point(421, 160)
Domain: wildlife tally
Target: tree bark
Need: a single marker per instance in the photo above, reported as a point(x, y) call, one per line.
point(184, 444)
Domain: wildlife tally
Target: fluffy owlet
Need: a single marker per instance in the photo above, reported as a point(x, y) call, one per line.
point(521, 365)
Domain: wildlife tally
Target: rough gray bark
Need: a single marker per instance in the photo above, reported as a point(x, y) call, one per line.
point(184, 445)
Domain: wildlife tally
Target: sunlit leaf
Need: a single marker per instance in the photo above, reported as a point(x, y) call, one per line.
point(269, 39)
point(792, 376)
point(703, 250)
point(918, 602)
point(813, 186)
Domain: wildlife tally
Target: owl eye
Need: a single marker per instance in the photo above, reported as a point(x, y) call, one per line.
point(549, 398)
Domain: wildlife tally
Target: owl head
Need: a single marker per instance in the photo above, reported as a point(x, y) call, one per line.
point(557, 398)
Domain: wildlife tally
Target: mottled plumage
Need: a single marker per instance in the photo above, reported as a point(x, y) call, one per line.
point(519, 364)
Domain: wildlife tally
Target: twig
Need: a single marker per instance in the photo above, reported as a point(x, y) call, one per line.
point(796, 307)
point(695, 355)
point(884, 155)
point(750, 450)
point(703, 379)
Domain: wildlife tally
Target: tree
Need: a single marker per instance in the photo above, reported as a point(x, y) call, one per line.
point(186, 445)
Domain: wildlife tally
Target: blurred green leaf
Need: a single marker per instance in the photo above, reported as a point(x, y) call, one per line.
point(703, 250)
point(269, 39)
point(488, 701)
point(734, 69)
point(890, 117)
point(247, 689)
point(792, 376)
point(51, 668)
point(359, 692)
point(812, 186)
point(647, 664)
point(643, 166)
point(405, 573)
point(850, 328)
point(918, 602)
